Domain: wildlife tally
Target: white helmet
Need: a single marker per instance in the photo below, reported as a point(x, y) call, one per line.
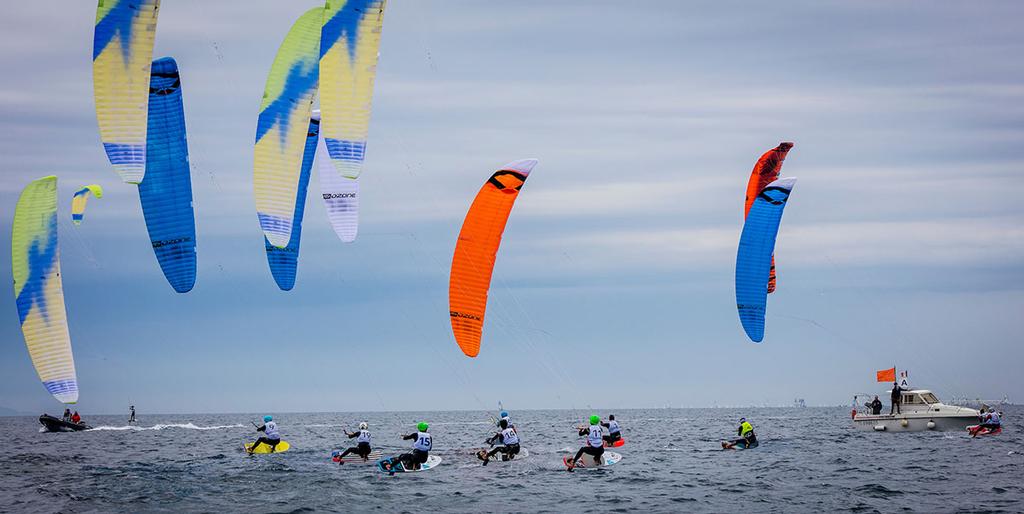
point(363, 426)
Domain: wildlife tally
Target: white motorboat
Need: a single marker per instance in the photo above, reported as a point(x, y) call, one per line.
point(920, 410)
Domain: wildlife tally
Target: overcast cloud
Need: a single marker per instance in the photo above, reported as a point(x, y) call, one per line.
point(902, 243)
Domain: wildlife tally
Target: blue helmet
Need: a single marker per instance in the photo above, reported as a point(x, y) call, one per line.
point(504, 414)
point(268, 418)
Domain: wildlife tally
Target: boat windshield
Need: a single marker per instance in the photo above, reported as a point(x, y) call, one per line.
point(929, 398)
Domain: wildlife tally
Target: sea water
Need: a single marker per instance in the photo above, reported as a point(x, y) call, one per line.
point(809, 460)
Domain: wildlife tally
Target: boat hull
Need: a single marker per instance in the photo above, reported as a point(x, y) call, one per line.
point(52, 424)
point(913, 423)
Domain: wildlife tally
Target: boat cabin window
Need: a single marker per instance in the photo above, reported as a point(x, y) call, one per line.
point(912, 399)
point(929, 398)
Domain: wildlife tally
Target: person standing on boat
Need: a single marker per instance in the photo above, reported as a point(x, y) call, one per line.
point(876, 406)
point(271, 437)
point(67, 415)
point(895, 397)
point(75, 418)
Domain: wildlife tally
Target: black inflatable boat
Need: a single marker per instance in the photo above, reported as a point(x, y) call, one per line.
point(53, 424)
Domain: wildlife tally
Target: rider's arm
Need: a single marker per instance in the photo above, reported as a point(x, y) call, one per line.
point(261, 428)
point(409, 437)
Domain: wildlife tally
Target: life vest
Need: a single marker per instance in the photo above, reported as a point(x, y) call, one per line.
point(364, 437)
point(509, 436)
point(423, 442)
point(595, 437)
point(613, 427)
point(271, 430)
point(746, 428)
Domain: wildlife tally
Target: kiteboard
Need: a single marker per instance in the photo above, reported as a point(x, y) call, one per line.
point(352, 458)
point(587, 461)
point(265, 448)
point(741, 445)
point(392, 465)
point(976, 430)
point(501, 457)
point(617, 443)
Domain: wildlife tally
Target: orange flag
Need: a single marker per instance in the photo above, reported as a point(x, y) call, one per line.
point(886, 375)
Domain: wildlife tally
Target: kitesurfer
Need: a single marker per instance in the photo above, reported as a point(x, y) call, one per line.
point(876, 406)
point(990, 421)
point(75, 418)
point(595, 441)
point(614, 432)
point(504, 416)
point(747, 437)
point(509, 442)
point(362, 447)
point(131, 414)
point(422, 443)
point(271, 437)
point(895, 398)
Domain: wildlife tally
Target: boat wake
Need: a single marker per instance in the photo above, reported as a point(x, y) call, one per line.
point(188, 426)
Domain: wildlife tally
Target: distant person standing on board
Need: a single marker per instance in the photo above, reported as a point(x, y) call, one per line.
point(895, 397)
point(131, 414)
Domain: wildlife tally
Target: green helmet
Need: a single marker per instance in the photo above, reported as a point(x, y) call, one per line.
point(422, 427)
point(595, 419)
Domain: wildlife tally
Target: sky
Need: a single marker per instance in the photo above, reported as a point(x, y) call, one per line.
point(901, 245)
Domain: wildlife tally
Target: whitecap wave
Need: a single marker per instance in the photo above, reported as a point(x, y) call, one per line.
point(188, 426)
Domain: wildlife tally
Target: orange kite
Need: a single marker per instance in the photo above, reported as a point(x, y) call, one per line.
point(476, 249)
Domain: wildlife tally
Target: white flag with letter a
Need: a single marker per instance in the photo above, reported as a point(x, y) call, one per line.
point(904, 380)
